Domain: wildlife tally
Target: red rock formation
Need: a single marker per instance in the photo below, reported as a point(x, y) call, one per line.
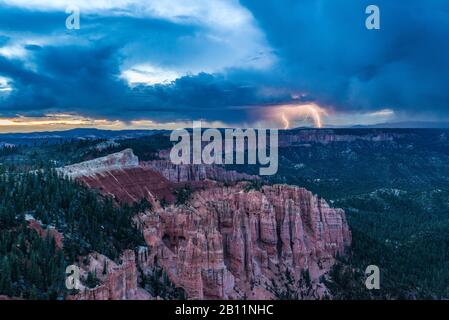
point(117, 281)
point(226, 243)
point(131, 184)
point(229, 244)
point(49, 231)
point(119, 175)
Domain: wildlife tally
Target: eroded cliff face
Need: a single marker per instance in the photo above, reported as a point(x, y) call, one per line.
point(44, 232)
point(231, 244)
point(116, 281)
point(131, 185)
point(194, 173)
point(121, 177)
point(226, 242)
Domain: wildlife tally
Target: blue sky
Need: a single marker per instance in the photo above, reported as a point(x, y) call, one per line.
point(161, 63)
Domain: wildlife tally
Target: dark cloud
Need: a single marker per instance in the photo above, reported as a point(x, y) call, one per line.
point(82, 74)
point(205, 96)
point(67, 79)
point(86, 80)
point(325, 54)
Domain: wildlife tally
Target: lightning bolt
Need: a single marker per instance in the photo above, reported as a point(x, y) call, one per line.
point(287, 123)
point(307, 111)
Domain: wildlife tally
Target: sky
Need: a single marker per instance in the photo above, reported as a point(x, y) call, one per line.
point(249, 63)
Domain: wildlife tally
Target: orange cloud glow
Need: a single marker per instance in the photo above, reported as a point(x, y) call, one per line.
point(55, 122)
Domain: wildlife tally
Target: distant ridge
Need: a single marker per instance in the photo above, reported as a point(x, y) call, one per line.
point(407, 125)
point(386, 125)
point(93, 133)
point(80, 133)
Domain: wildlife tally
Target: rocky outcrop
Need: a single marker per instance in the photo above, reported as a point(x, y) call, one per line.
point(120, 176)
point(131, 185)
point(116, 281)
point(106, 145)
point(116, 161)
point(45, 231)
point(226, 242)
point(231, 244)
point(189, 172)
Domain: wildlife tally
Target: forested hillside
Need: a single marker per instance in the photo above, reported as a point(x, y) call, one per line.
point(32, 267)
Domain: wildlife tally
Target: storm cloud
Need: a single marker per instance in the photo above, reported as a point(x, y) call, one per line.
point(327, 52)
point(133, 64)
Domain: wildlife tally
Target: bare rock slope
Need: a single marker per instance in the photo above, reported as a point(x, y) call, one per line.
point(120, 176)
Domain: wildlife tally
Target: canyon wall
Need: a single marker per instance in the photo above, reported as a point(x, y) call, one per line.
point(116, 281)
point(190, 173)
point(121, 177)
point(231, 244)
point(226, 242)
